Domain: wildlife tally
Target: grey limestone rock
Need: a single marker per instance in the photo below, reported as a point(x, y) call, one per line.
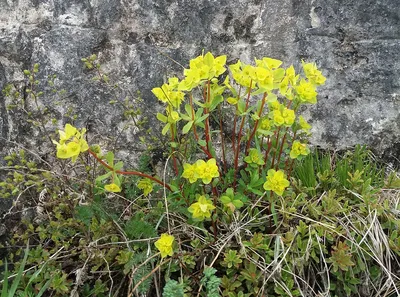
point(356, 44)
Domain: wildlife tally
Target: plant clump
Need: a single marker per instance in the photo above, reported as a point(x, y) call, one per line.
point(243, 207)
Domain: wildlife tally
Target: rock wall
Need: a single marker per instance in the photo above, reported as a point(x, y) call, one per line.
point(356, 44)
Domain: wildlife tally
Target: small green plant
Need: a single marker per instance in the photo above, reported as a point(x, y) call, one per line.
point(11, 289)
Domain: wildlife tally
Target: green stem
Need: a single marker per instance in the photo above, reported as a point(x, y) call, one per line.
point(173, 150)
point(277, 145)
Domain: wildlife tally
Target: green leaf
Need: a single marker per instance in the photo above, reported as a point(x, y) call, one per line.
point(166, 129)
point(217, 100)
point(272, 97)
point(225, 199)
point(202, 118)
point(259, 91)
point(187, 127)
point(103, 177)
point(199, 113)
point(17, 279)
point(241, 106)
point(110, 158)
point(5, 282)
point(237, 203)
point(162, 117)
point(188, 109)
point(202, 142)
point(119, 165)
point(185, 117)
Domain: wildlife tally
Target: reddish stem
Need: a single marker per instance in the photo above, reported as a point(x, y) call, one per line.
point(256, 123)
point(234, 123)
point(222, 138)
point(268, 149)
point(207, 100)
point(240, 137)
point(137, 173)
point(204, 149)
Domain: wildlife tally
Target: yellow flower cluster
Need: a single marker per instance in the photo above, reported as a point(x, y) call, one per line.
point(164, 245)
point(205, 171)
point(169, 93)
point(202, 68)
point(299, 149)
point(72, 143)
point(265, 74)
point(112, 188)
point(306, 91)
point(313, 74)
point(283, 116)
point(276, 182)
point(202, 208)
point(265, 124)
point(254, 157)
point(145, 185)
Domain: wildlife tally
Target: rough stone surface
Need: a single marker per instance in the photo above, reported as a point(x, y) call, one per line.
point(355, 43)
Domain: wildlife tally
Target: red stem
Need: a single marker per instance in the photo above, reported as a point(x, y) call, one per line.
point(240, 137)
point(256, 123)
point(268, 149)
point(137, 173)
point(234, 123)
point(206, 100)
point(204, 149)
point(222, 138)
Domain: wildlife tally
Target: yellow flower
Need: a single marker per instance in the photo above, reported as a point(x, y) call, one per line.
point(192, 80)
point(65, 151)
point(242, 73)
point(189, 172)
point(254, 157)
point(313, 74)
point(288, 116)
point(201, 209)
point(164, 245)
point(173, 117)
point(265, 124)
point(202, 67)
point(168, 93)
point(112, 188)
point(73, 148)
point(291, 75)
point(276, 182)
point(145, 185)
point(283, 86)
point(274, 105)
point(298, 149)
point(69, 131)
point(207, 171)
point(277, 118)
point(306, 91)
